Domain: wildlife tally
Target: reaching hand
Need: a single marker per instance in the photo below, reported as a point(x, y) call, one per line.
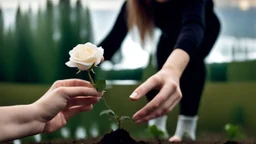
point(63, 100)
point(169, 95)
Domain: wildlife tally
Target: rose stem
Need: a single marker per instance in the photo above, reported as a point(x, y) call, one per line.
point(105, 102)
point(116, 116)
point(90, 76)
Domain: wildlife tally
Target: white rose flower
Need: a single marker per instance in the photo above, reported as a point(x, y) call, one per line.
point(83, 56)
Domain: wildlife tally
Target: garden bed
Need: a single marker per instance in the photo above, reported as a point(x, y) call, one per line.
point(96, 141)
point(123, 137)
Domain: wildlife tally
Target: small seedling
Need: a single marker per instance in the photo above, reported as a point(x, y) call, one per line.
point(117, 118)
point(156, 133)
point(233, 132)
point(101, 86)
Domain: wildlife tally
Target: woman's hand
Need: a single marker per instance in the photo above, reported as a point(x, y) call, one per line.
point(167, 98)
point(63, 100)
point(167, 82)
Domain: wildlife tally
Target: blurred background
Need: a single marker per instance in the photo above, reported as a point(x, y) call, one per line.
point(36, 36)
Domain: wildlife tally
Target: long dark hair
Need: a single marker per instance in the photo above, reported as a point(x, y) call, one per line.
point(140, 14)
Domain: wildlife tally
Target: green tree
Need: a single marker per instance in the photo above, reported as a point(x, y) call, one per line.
point(25, 69)
point(77, 21)
point(82, 26)
point(1, 28)
point(45, 46)
point(67, 41)
point(8, 55)
point(2, 73)
point(86, 32)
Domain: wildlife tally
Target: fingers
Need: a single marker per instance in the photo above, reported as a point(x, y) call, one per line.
point(71, 83)
point(77, 91)
point(79, 104)
point(85, 101)
point(144, 88)
point(159, 99)
point(102, 59)
point(165, 108)
point(75, 110)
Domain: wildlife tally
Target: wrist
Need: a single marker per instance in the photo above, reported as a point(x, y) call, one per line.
point(174, 71)
point(176, 62)
point(36, 113)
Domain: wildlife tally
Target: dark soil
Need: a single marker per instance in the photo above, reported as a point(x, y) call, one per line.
point(232, 142)
point(121, 136)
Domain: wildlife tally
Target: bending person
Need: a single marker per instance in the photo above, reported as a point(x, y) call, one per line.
point(189, 31)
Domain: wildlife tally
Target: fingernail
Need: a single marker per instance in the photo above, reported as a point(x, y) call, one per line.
point(138, 121)
point(134, 95)
point(136, 118)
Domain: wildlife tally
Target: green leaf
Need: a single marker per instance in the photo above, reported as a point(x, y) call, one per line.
point(155, 131)
point(107, 112)
point(101, 85)
point(124, 118)
point(233, 132)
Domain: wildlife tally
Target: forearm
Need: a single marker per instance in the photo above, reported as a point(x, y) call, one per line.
point(18, 121)
point(176, 62)
point(192, 27)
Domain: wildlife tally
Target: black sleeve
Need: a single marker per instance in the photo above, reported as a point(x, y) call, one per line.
point(116, 36)
point(193, 25)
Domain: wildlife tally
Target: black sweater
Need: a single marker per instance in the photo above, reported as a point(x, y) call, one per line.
point(183, 21)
